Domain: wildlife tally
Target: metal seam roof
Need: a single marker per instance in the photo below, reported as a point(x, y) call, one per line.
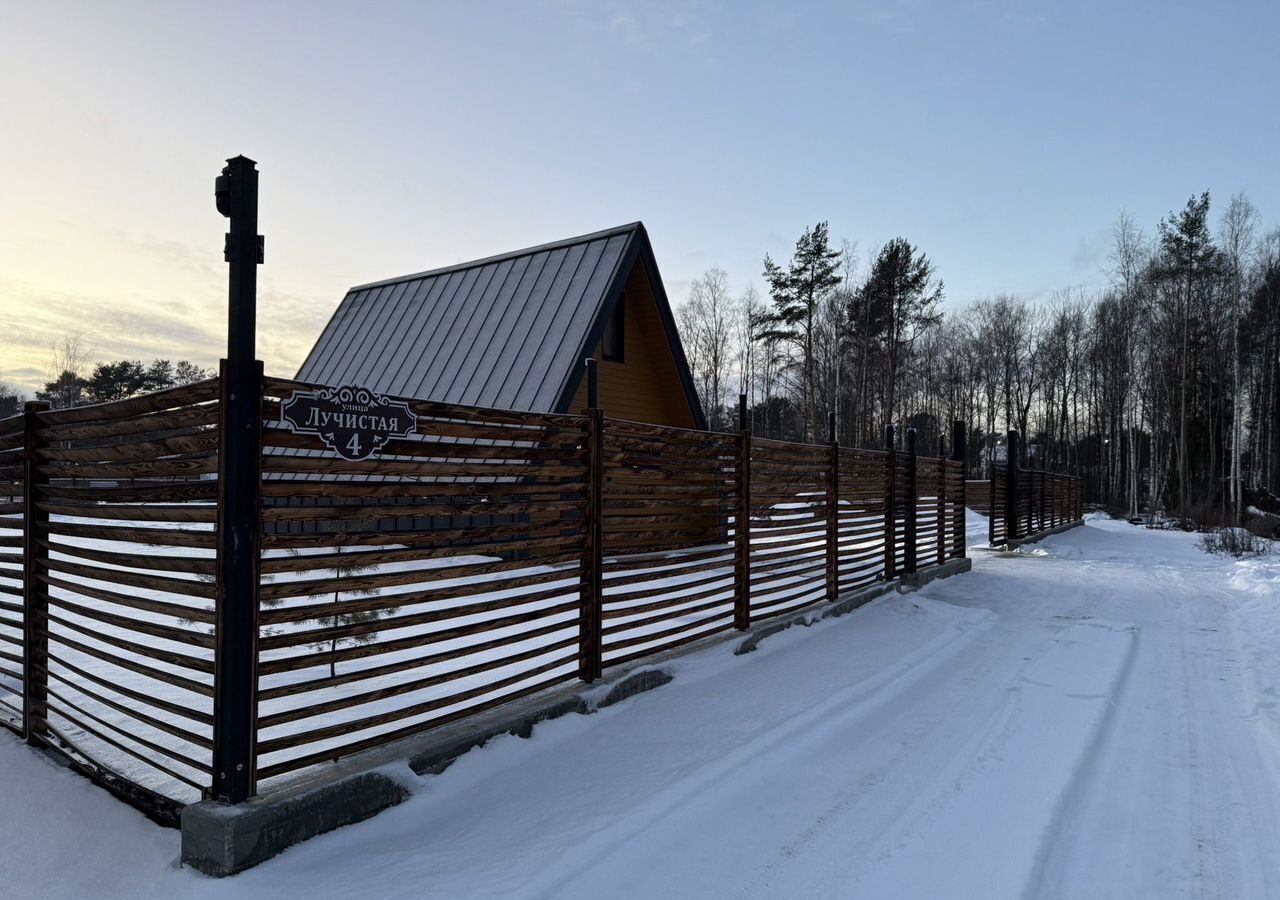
point(503, 331)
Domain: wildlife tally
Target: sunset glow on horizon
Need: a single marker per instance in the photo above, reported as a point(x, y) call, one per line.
point(409, 136)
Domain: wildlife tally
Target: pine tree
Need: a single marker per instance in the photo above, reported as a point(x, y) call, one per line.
point(345, 566)
point(898, 300)
point(65, 390)
point(1190, 261)
point(797, 293)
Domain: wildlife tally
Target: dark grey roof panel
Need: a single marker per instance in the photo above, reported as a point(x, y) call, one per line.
point(451, 361)
point(404, 358)
point(365, 339)
point(351, 342)
point(401, 325)
point(499, 332)
point(583, 302)
point(533, 360)
point(487, 364)
point(439, 336)
point(491, 324)
point(513, 359)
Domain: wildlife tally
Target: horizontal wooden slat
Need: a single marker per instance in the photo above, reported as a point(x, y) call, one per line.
point(300, 762)
point(327, 732)
point(176, 709)
point(185, 418)
point(135, 713)
point(497, 486)
point(503, 579)
point(195, 565)
point(153, 492)
point(183, 395)
point(186, 467)
point(203, 590)
point(695, 632)
point(394, 511)
point(347, 701)
point(173, 537)
point(198, 444)
point(148, 651)
point(403, 468)
point(185, 636)
point(168, 678)
point(81, 718)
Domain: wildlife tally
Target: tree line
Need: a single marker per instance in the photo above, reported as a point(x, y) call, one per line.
point(117, 380)
point(71, 381)
point(1160, 390)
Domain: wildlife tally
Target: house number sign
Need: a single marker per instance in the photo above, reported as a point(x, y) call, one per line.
point(354, 422)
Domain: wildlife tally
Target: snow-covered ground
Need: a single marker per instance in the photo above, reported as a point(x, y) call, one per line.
point(1096, 716)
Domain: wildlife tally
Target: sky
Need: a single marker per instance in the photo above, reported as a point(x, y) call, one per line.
point(1003, 138)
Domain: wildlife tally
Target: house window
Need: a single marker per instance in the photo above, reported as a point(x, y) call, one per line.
point(614, 342)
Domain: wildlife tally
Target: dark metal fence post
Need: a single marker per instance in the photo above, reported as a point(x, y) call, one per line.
point(742, 523)
point(911, 497)
point(239, 497)
point(960, 453)
point(35, 590)
point(1044, 482)
point(1029, 527)
point(593, 384)
point(890, 513)
point(833, 511)
point(941, 519)
point(1031, 503)
point(1012, 520)
point(1056, 500)
point(992, 512)
point(591, 586)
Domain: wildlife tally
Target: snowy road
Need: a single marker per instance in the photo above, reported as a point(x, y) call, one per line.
point(1096, 717)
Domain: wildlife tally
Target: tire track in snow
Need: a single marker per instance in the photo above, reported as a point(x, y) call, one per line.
point(935, 790)
point(1236, 812)
point(971, 716)
point(1001, 773)
point(861, 697)
point(1176, 795)
point(1084, 776)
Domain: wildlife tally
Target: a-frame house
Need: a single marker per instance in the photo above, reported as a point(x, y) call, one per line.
point(512, 331)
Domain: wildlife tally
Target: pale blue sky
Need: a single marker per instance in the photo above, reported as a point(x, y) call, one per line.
point(1003, 138)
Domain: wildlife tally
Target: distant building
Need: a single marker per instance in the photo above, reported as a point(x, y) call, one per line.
point(512, 331)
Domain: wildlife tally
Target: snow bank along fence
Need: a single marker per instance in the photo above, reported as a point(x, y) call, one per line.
point(1026, 503)
point(485, 557)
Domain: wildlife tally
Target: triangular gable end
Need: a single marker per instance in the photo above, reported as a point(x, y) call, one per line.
point(652, 382)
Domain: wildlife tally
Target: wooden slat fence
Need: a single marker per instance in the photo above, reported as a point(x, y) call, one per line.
point(490, 555)
point(118, 597)
point(668, 560)
point(12, 532)
point(978, 495)
point(863, 499)
point(1028, 502)
point(788, 526)
point(369, 634)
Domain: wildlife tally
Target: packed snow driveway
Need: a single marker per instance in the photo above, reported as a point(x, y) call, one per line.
point(1093, 717)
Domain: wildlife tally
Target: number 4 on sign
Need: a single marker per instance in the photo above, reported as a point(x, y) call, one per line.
point(354, 446)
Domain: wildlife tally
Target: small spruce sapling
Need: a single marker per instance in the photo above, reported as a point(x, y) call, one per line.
point(346, 565)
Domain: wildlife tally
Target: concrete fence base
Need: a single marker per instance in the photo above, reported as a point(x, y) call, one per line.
point(1039, 535)
point(920, 578)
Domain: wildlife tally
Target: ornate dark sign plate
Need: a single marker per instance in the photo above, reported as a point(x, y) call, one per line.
point(354, 422)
